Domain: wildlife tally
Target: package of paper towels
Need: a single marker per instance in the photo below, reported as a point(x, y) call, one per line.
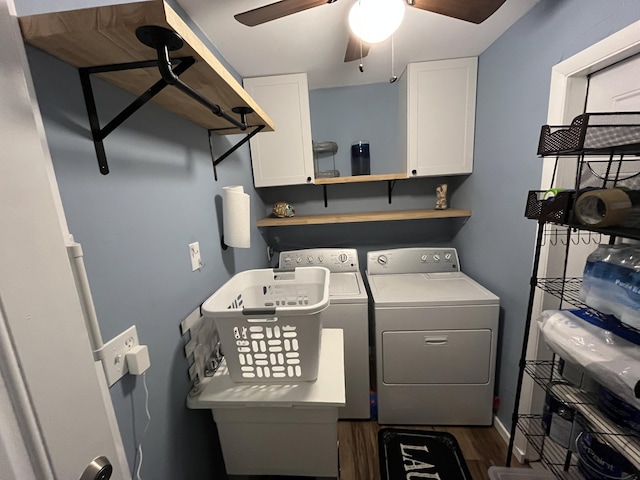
point(611, 360)
point(236, 218)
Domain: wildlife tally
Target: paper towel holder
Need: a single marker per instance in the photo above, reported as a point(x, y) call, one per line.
point(222, 244)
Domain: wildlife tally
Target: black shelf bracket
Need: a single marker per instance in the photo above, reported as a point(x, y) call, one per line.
point(216, 161)
point(390, 186)
point(163, 41)
point(99, 134)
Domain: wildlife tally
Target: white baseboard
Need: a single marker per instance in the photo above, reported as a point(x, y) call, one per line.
point(506, 436)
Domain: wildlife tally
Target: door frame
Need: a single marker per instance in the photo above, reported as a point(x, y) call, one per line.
point(569, 82)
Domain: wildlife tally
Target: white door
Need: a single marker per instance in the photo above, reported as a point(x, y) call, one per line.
point(63, 412)
point(617, 89)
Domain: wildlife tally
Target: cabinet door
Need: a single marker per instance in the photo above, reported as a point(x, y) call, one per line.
point(284, 156)
point(441, 106)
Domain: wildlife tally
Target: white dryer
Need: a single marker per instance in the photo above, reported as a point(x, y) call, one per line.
point(436, 333)
point(348, 310)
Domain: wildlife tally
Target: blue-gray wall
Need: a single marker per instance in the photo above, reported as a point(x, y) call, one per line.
point(514, 73)
point(350, 114)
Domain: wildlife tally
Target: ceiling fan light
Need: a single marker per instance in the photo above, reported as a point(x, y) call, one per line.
point(375, 20)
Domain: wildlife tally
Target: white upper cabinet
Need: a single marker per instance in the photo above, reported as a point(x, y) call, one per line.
point(437, 105)
point(284, 156)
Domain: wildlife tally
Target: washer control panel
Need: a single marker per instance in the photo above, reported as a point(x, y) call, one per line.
point(413, 260)
point(335, 259)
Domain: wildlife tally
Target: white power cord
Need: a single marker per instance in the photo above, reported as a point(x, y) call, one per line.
point(146, 407)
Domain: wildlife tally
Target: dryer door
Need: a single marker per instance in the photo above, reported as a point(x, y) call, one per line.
point(437, 357)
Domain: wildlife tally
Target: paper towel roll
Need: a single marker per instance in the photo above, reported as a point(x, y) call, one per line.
point(236, 218)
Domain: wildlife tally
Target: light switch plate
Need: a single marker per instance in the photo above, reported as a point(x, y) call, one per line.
point(113, 353)
point(194, 253)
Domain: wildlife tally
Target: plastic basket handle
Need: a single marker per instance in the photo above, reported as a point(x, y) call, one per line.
point(286, 273)
point(262, 320)
point(259, 312)
point(284, 270)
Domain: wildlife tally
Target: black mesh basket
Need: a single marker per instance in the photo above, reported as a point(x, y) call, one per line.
point(604, 133)
point(556, 209)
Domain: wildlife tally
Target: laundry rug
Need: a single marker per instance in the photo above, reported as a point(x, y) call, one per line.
point(414, 454)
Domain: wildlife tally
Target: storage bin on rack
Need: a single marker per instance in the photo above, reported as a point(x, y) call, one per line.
point(600, 132)
point(269, 323)
point(522, 473)
point(555, 209)
point(607, 144)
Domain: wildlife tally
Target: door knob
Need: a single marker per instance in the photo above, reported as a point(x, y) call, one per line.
point(99, 469)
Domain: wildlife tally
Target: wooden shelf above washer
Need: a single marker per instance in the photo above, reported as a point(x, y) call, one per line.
point(360, 178)
point(362, 217)
point(106, 35)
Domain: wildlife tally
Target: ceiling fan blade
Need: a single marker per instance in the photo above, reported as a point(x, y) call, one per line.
point(276, 10)
point(474, 11)
point(353, 49)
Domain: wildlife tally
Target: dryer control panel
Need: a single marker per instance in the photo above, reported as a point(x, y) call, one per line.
point(335, 259)
point(413, 260)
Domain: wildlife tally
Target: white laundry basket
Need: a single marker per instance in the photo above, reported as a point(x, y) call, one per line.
point(269, 323)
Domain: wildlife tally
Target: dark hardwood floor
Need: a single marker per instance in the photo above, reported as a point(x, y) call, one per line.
point(482, 447)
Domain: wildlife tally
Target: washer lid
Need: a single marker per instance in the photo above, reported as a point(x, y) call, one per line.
point(347, 287)
point(428, 289)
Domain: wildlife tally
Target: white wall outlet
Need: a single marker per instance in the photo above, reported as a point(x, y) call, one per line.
point(194, 253)
point(113, 354)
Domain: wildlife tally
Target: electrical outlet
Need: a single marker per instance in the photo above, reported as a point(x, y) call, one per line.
point(194, 253)
point(113, 354)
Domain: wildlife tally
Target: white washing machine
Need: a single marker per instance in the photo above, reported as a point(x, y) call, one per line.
point(348, 310)
point(436, 333)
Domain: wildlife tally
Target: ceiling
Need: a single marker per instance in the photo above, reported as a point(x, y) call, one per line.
point(314, 41)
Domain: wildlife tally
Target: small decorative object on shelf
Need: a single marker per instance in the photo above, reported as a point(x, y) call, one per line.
point(441, 197)
point(283, 209)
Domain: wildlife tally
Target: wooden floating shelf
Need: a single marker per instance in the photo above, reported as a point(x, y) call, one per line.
point(360, 179)
point(106, 35)
point(362, 217)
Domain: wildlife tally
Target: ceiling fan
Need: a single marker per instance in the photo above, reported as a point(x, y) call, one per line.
point(474, 11)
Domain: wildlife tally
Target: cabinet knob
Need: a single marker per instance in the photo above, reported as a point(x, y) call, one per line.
point(308, 179)
point(414, 172)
